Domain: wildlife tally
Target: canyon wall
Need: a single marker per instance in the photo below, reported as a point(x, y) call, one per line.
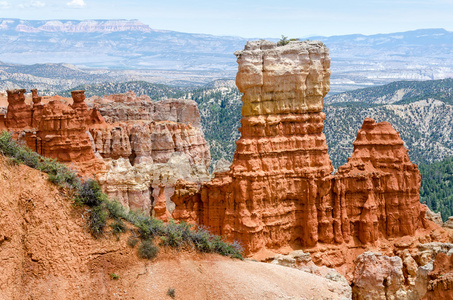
point(147, 147)
point(140, 148)
point(279, 192)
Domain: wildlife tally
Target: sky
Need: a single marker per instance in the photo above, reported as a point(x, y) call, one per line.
point(247, 18)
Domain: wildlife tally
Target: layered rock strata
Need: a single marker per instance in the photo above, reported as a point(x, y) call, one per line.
point(378, 188)
point(143, 144)
point(279, 192)
point(278, 188)
point(147, 148)
point(55, 129)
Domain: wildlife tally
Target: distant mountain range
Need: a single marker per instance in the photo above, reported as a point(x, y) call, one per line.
point(74, 26)
point(117, 45)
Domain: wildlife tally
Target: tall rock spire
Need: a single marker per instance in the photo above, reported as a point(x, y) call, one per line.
point(277, 193)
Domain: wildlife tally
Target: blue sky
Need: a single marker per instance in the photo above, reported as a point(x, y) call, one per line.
point(248, 18)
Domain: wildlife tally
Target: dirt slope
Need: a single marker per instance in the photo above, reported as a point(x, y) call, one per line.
point(46, 253)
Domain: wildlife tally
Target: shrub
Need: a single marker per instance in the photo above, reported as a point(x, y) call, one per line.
point(116, 210)
point(147, 227)
point(147, 249)
point(114, 276)
point(90, 193)
point(284, 41)
point(132, 241)
point(118, 227)
point(201, 239)
point(98, 220)
point(171, 292)
point(59, 173)
point(173, 235)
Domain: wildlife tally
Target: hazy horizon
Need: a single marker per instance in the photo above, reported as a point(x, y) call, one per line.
point(249, 19)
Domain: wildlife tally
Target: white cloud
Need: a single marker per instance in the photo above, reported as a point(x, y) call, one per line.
point(4, 4)
point(33, 3)
point(37, 4)
point(76, 3)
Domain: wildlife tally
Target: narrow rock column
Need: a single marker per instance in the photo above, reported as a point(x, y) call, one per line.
point(278, 191)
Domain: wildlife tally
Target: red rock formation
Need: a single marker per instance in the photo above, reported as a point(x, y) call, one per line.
point(2, 120)
point(441, 278)
point(378, 188)
point(37, 108)
point(278, 190)
point(55, 129)
point(19, 113)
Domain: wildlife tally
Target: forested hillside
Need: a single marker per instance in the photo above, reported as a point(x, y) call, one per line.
point(399, 92)
point(437, 186)
point(424, 126)
point(220, 110)
point(153, 90)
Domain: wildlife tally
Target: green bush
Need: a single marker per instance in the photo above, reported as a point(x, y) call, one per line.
point(98, 220)
point(90, 193)
point(201, 239)
point(116, 210)
point(132, 241)
point(59, 173)
point(147, 249)
point(173, 235)
point(118, 226)
point(147, 227)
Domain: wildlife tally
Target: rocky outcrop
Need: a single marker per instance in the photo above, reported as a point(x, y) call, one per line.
point(279, 181)
point(378, 188)
point(413, 273)
point(19, 114)
point(142, 145)
point(279, 191)
point(302, 261)
point(378, 277)
point(440, 284)
point(147, 148)
point(55, 129)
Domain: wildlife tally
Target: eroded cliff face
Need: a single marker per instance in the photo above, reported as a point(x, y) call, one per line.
point(279, 193)
point(147, 147)
point(55, 130)
point(138, 146)
point(280, 180)
point(378, 188)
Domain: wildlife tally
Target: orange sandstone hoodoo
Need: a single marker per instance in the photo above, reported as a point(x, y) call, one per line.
point(55, 129)
point(279, 191)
